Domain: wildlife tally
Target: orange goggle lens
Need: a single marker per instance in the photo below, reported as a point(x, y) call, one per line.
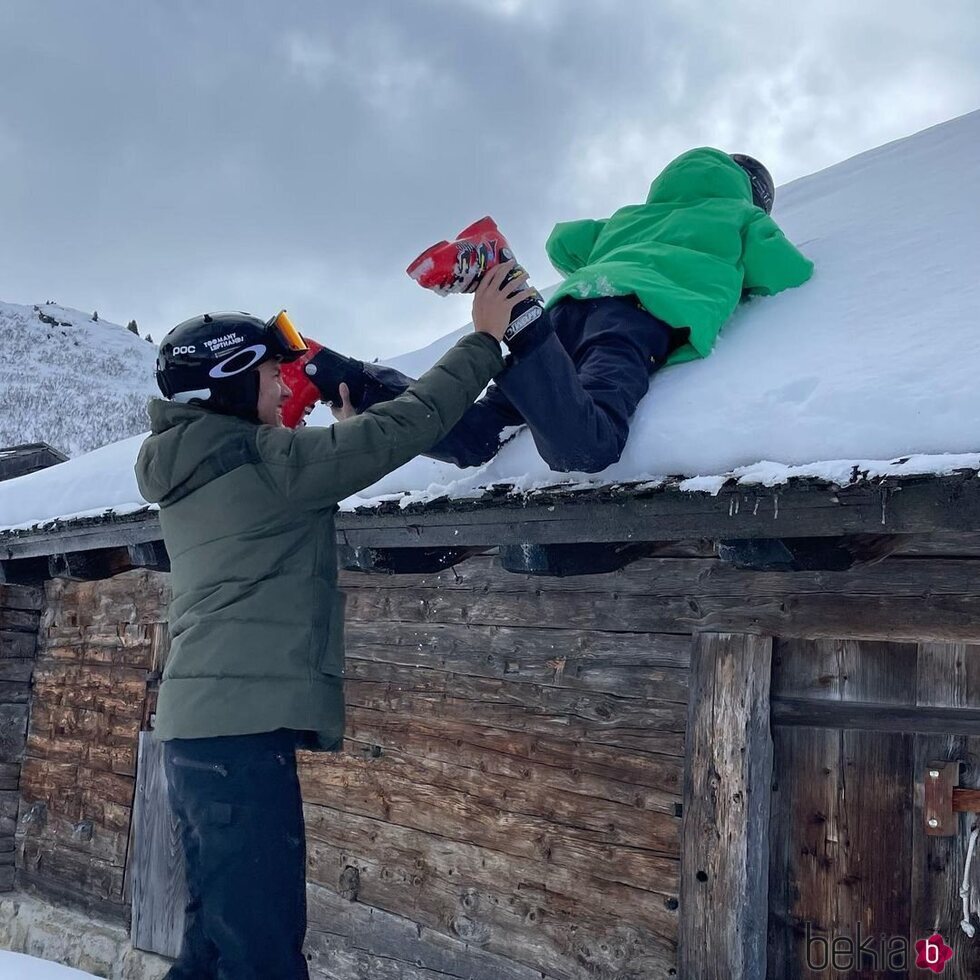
point(288, 334)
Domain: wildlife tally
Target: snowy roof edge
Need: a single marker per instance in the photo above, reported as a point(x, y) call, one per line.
point(802, 506)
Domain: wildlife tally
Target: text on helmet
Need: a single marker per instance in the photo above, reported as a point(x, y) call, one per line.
point(219, 343)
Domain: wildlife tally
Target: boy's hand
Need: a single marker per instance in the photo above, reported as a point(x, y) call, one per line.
point(492, 301)
point(344, 410)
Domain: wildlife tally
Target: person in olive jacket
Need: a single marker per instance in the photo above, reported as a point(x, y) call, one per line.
point(257, 656)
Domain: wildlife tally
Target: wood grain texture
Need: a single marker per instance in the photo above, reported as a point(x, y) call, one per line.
point(560, 922)
point(948, 676)
point(156, 865)
point(94, 651)
point(353, 941)
point(725, 849)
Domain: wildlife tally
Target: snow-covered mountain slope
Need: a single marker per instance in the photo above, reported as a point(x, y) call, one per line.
point(871, 366)
point(69, 380)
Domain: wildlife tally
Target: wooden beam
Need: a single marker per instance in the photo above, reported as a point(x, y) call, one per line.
point(156, 862)
point(913, 505)
point(21, 460)
point(793, 510)
point(148, 554)
point(82, 535)
point(725, 833)
point(861, 716)
point(348, 938)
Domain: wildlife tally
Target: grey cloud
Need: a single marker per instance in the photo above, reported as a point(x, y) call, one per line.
point(161, 158)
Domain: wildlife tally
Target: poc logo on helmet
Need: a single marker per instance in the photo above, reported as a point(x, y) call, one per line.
point(185, 350)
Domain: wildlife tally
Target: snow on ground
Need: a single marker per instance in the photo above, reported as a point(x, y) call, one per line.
point(869, 369)
point(15, 966)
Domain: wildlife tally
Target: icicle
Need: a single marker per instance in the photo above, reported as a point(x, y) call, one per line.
point(966, 925)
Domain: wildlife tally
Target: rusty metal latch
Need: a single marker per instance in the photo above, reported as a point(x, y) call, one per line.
point(944, 799)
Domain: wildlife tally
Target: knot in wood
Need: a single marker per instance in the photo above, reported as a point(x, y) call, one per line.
point(36, 817)
point(82, 831)
point(468, 930)
point(350, 883)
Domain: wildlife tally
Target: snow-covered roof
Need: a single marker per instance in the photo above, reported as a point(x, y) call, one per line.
point(868, 370)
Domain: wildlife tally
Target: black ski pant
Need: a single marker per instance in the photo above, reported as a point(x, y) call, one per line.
point(240, 815)
point(576, 390)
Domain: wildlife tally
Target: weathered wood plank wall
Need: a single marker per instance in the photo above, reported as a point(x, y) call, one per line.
point(19, 614)
point(508, 801)
point(511, 784)
point(96, 646)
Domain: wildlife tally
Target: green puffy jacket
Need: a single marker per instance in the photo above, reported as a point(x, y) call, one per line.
point(687, 254)
point(247, 513)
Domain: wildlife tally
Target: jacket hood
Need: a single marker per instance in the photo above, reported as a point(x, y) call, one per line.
point(698, 174)
point(188, 447)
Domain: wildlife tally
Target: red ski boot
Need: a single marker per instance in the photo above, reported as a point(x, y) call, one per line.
point(303, 394)
point(458, 267)
point(317, 376)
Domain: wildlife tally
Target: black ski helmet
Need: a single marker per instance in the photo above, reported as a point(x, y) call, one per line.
point(212, 359)
point(763, 189)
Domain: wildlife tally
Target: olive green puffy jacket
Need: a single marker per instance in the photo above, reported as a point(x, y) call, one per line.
point(247, 513)
point(687, 253)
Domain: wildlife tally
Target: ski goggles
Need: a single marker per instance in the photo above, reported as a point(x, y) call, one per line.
point(282, 331)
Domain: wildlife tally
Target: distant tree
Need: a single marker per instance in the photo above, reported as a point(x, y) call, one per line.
point(132, 328)
point(149, 339)
point(95, 316)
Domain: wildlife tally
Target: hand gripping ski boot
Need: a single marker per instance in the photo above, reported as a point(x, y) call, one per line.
point(458, 267)
point(319, 373)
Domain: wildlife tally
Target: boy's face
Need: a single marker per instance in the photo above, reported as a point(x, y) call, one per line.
point(272, 393)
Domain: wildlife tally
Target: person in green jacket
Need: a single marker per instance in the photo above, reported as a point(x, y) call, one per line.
point(256, 662)
point(650, 286)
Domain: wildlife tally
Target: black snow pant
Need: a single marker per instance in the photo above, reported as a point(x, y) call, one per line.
point(238, 806)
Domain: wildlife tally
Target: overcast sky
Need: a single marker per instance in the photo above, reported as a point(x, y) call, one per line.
point(159, 159)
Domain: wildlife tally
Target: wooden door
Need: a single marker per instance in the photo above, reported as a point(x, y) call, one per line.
point(854, 880)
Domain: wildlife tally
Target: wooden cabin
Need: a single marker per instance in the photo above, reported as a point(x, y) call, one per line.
point(623, 734)
point(28, 458)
